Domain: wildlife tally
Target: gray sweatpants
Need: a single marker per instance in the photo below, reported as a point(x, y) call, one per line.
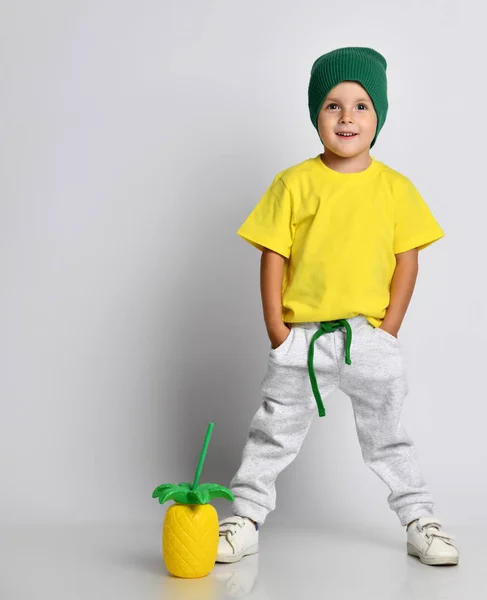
point(375, 381)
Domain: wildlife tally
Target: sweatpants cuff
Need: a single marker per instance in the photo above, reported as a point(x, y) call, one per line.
point(244, 508)
point(414, 511)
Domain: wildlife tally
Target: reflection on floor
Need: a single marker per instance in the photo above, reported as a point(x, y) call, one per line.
point(124, 561)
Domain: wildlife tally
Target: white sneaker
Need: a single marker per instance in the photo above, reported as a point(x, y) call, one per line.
point(430, 544)
point(238, 537)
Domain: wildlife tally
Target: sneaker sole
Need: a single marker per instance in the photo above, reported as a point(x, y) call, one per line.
point(440, 560)
point(231, 558)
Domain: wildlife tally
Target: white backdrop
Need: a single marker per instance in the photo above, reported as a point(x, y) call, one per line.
point(135, 139)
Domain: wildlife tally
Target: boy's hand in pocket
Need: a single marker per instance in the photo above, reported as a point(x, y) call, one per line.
point(279, 335)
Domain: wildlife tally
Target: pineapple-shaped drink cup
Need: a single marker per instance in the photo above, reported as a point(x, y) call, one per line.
point(190, 529)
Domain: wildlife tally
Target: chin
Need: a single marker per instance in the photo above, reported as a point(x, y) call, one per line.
point(346, 153)
point(353, 150)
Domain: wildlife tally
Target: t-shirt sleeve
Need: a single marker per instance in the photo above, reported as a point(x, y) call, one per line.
point(415, 225)
point(270, 224)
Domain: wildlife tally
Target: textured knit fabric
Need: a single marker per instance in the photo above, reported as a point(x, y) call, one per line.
point(340, 232)
point(365, 65)
point(376, 384)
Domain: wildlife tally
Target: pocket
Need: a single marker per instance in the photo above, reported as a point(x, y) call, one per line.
point(282, 347)
point(386, 335)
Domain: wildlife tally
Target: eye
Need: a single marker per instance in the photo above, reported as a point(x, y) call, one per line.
point(333, 104)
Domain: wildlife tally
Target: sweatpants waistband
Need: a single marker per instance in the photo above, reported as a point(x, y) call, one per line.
point(355, 323)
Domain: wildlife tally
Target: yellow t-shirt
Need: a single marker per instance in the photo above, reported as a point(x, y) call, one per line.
point(340, 233)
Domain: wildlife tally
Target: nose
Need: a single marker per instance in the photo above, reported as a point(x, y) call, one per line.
point(345, 118)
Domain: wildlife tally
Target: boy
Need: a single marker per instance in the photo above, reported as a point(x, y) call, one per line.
point(339, 235)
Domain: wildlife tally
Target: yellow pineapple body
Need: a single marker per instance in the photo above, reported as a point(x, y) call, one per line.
point(190, 539)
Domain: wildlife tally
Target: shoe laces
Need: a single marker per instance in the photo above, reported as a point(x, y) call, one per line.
point(230, 525)
point(432, 528)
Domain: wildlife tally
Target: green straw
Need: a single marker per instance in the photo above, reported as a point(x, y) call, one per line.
point(203, 455)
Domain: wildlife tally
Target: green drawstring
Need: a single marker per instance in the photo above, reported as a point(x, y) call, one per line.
point(327, 327)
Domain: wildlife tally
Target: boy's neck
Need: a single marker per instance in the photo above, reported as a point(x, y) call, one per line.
point(349, 164)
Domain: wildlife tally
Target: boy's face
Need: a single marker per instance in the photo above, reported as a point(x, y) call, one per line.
point(347, 107)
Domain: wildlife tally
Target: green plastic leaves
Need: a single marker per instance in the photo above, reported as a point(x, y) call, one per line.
point(183, 493)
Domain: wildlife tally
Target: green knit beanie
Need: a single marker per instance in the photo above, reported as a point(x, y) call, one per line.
point(364, 65)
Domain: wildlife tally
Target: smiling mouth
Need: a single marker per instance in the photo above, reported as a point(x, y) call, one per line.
point(348, 136)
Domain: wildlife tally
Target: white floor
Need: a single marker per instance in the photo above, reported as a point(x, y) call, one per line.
point(124, 561)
